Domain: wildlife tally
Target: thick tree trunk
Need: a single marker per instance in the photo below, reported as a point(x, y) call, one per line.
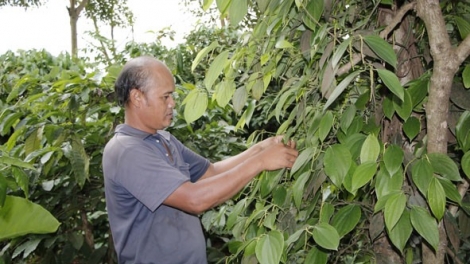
point(74, 13)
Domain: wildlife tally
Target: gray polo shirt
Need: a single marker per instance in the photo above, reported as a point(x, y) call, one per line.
point(138, 176)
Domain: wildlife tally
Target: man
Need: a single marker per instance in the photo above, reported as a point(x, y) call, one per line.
point(155, 187)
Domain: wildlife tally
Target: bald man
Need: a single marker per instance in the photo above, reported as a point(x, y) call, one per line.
point(155, 187)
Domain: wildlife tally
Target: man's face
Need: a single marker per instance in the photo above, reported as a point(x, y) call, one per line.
point(157, 107)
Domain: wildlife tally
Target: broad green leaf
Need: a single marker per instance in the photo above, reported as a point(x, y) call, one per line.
point(394, 208)
point(294, 237)
point(444, 166)
point(206, 4)
point(400, 234)
point(16, 162)
point(450, 190)
point(422, 174)
point(326, 124)
point(201, 54)
point(370, 149)
point(418, 89)
point(314, 10)
point(436, 198)
point(224, 92)
point(270, 247)
point(463, 25)
point(382, 48)
point(79, 161)
point(237, 209)
point(338, 90)
point(337, 162)
point(239, 99)
point(305, 156)
point(195, 105)
point(466, 163)
point(463, 131)
point(215, 69)
point(425, 225)
point(298, 188)
point(385, 184)
point(22, 179)
point(393, 158)
point(391, 81)
point(382, 201)
point(33, 142)
point(258, 89)
point(326, 210)
point(237, 11)
point(386, 2)
point(347, 118)
point(338, 54)
point(363, 174)
point(316, 256)
point(3, 189)
point(466, 76)
point(325, 236)
point(223, 5)
point(19, 217)
point(346, 219)
point(7, 123)
point(269, 180)
point(403, 108)
point(387, 106)
point(411, 127)
point(283, 44)
point(262, 4)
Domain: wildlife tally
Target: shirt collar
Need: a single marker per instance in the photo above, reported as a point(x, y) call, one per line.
point(131, 131)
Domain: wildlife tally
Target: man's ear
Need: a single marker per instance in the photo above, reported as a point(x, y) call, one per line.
point(135, 97)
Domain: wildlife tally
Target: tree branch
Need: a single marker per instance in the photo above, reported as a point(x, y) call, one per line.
point(357, 57)
point(463, 50)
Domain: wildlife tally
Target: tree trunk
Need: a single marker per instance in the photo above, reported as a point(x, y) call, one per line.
point(74, 13)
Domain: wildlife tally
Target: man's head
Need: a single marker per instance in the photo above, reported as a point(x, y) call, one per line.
point(145, 88)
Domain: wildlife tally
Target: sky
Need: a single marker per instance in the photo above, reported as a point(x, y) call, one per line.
point(48, 27)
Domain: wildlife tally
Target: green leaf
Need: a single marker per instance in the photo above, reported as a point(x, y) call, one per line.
point(400, 234)
point(8, 122)
point(466, 163)
point(305, 156)
point(239, 99)
point(79, 161)
point(269, 180)
point(21, 179)
point(444, 166)
point(33, 142)
point(387, 107)
point(385, 184)
point(298, 188)
point(196, 104)
point(393, 158)
point(347, 117)
point(418, 89)
point(237, 11)
point(466, 76)
point(338, 90)
point(206, 4)
point(346, 219)
point(258, 89)
point(314, 10)
point(316, 256)
point(270, 247)
point(386, 2)
point(224, 92)
point(327, 209)
point(215, 69)
point(391, 81)
point(425, 225)
point(422, 174)
point(436, 198)
point(394, 208)
point(463, 25)
point(370, 149)
point(3, 189)
point(201, 54)
point(26, 248)
point(19, 217)
point(325, 236)
point(363, 174)
point(404, 107)
point(326, 124)
point(463, 131)
point(337, 162)
point(382, 48)
point(16, 162)
point(411, 127)
point(451, 190)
